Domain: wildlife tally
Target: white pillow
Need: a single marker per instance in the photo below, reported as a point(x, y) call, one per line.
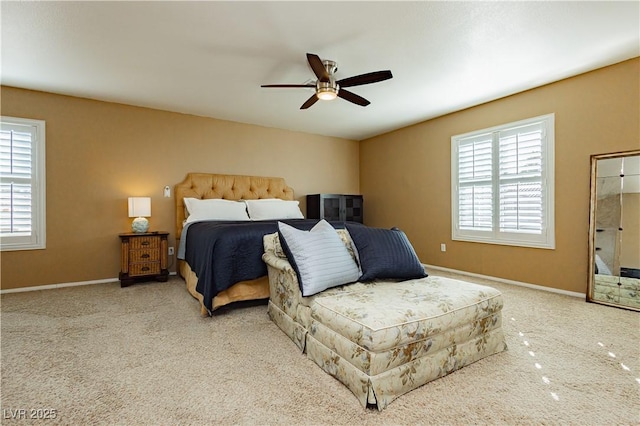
point(319, 257)
point(215, 209)
point(273, 208)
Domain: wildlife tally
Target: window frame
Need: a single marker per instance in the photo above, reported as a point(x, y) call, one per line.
point(37, 239)
point(546, 239)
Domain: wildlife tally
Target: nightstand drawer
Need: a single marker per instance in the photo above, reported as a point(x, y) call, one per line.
point(150, 242)
point(144, 255)
point(148, 268)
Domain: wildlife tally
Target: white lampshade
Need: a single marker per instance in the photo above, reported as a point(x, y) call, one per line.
point(139, 206)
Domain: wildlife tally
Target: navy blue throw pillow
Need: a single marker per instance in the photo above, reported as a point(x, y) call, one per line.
point(385, 253)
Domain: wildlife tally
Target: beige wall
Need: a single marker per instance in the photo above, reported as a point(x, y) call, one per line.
point(100, 153)
point(405, 175)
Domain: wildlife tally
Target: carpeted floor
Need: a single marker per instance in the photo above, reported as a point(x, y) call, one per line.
point(142, 355)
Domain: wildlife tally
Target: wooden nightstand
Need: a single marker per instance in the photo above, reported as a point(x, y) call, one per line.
point(143, 256)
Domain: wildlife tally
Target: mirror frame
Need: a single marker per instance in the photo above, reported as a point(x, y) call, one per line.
point(592, 226)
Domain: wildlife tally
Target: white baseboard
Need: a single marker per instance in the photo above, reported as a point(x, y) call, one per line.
point(440, 268)
point(502, 280)
point(61, 285)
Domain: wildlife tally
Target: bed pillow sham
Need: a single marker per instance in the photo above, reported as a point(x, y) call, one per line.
point(273, 209)
point(319, 257)
point(385, 254)
point(214, 209)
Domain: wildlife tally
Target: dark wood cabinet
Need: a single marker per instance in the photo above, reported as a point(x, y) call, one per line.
point(338, 207)
point(143, 256)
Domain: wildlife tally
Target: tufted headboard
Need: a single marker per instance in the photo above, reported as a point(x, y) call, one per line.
point(228, 187)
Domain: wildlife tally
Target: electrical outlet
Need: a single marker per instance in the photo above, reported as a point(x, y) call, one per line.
point(443, 247)
point(170, 251)
point(167, 192)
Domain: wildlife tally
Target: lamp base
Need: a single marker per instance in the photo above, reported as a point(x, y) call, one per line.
point(140, 224)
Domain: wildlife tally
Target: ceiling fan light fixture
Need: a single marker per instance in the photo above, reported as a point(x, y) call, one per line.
point(326, 91)
point(327, 94)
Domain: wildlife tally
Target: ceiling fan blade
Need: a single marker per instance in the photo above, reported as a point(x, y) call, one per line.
point(352, 97)
point(372, 77)
point(288, 85)
point(318, 68)
point(312, 100)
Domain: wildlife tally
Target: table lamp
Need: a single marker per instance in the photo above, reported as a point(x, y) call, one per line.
point(140, 208)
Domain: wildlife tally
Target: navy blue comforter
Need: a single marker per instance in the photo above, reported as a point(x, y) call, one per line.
point(224, 253)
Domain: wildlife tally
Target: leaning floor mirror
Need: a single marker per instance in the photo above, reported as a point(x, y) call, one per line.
point(614, 230)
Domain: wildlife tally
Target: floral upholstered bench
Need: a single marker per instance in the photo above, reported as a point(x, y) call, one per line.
point(384, 337)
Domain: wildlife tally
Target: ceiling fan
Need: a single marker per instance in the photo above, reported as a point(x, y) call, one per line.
point(327, 88)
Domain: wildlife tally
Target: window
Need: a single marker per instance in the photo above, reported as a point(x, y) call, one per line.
point(22, 184)
point(502, 184)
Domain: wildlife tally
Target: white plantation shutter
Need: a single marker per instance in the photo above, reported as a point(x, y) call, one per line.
point(520, 177)
point(22, 207)
point(475, 196)
point(502, 184)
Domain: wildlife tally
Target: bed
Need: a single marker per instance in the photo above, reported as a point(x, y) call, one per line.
point(221, 260)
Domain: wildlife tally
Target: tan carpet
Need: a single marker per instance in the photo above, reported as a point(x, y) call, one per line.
point(100, 354)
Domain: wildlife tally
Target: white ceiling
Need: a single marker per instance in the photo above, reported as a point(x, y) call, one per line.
point(210, 58)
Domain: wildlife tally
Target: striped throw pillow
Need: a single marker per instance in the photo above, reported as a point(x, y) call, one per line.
point(319, 257)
